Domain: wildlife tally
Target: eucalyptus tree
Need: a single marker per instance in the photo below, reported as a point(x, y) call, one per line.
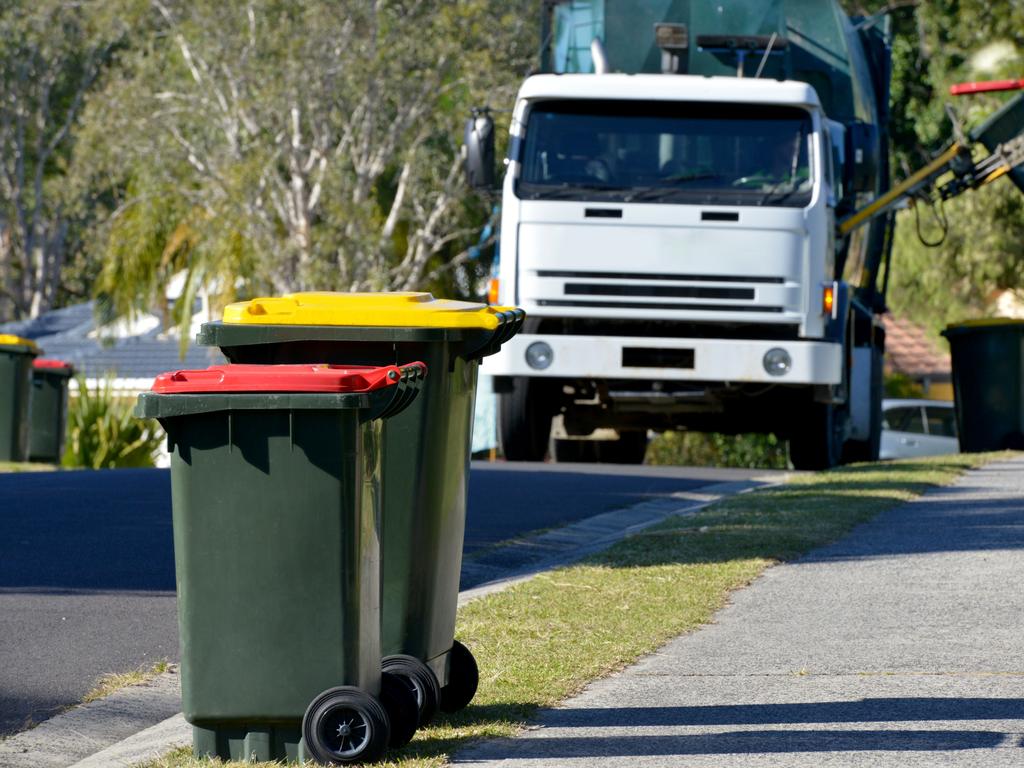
point(51, 52)
point(272, 145)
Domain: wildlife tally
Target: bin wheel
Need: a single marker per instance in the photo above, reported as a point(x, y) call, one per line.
point(463, 677)
point(420, 679)
point(345, 725)
point(403, 710)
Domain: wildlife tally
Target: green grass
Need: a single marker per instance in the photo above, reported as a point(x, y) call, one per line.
point(545, 639)
point(115, 681)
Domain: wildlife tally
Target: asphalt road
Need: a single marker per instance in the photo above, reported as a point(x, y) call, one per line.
point(87, 567)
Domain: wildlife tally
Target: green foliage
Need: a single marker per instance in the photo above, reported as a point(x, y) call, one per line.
point(902, 386)
point(271, 147)
point(102, 433)
point(698, 449)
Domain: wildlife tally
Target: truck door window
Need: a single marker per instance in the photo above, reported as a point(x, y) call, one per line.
point(664, 152)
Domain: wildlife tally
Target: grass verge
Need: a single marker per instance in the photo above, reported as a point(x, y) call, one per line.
point(115, 681)
point(545, 639)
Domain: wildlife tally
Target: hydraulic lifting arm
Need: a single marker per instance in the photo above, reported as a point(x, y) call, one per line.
point(957, 159)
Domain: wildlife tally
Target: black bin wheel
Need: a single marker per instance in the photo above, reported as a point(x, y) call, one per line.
point(345, 725)
point(399, 701)
point(463, 677)
point(420, 679)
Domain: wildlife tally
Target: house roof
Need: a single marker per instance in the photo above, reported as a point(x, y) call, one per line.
point(68, 334)
point(910, 351)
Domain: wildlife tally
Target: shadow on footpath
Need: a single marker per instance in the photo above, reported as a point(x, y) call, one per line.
point(880, 710)
point(620, 743)
point(740, 743)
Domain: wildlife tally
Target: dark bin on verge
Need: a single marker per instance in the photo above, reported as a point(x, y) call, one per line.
point(988, 383)
point(16, 356)
point(49, 409)
point(275, 482)
point(426, 450)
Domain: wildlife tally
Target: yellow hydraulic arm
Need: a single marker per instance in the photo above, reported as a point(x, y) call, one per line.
point(956, 159)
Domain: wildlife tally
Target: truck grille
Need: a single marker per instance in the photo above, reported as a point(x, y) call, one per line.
point(655, 276)
point(660, 291)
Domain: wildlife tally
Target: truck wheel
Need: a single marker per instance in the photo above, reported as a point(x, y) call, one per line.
point(524, 421)
point(867, 450)
point(818, 443)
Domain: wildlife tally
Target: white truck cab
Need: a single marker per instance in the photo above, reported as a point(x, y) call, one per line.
point(671, 240)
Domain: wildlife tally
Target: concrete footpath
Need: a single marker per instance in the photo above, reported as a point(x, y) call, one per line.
point(901, 645)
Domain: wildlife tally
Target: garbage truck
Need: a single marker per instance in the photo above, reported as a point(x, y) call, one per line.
point(696, 215)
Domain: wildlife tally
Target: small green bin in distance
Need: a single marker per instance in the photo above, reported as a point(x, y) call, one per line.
point(988, 383)
point(49, 409)
point(426, 448)
point(16, 356)
point(275, 481)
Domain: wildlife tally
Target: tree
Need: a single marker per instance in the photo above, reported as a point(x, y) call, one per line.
point(937, 44)
point(278, 146)
point(51, 52)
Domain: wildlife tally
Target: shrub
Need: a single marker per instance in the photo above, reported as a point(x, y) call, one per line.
point(102, 433)
point(698, 449)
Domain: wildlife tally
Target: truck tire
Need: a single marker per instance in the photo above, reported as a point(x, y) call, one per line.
point(818, 442)
point(868, 450)
point(630, 448)
point(524, 421)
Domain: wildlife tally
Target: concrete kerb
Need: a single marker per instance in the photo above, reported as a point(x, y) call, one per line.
point(143, 722)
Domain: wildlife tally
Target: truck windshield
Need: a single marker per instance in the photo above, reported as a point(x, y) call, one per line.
point(663, 152)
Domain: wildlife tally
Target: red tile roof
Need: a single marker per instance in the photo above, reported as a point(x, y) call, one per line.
point(909, 350)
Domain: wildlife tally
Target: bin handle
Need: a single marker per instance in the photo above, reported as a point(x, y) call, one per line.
point(392, 400)
point(510, 322)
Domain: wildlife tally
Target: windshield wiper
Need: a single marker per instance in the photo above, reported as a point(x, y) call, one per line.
point(567, 191)
point(649, 194)
point(682, 178)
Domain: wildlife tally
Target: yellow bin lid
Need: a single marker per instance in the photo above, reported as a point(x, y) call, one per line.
point(6, 340)
point(390, 310)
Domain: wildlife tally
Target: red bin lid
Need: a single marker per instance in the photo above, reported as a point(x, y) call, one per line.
point(280, 378)
point(46, 362)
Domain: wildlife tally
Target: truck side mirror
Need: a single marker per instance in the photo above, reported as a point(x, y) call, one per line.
point(478, 157)
point(862, 156)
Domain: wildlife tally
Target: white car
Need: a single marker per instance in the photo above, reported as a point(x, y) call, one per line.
point(918, 428)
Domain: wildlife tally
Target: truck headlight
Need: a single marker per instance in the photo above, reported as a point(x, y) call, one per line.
point(539, 355)
point(777, 362)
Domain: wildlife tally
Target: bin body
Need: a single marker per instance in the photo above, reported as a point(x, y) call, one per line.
point(16, 356)
point(988, 384)
point(49, 410)
point(276, 517)
point(426, 458)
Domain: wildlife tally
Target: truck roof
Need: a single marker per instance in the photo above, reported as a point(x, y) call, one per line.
point(670, 88)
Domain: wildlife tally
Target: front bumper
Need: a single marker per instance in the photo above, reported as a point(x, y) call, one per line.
point(713, 360)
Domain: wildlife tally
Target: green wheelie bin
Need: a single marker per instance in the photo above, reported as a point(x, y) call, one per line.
point(988, 383)
point(426, 450)
point(16, 356)
point(276, 493)
point(49, 409)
